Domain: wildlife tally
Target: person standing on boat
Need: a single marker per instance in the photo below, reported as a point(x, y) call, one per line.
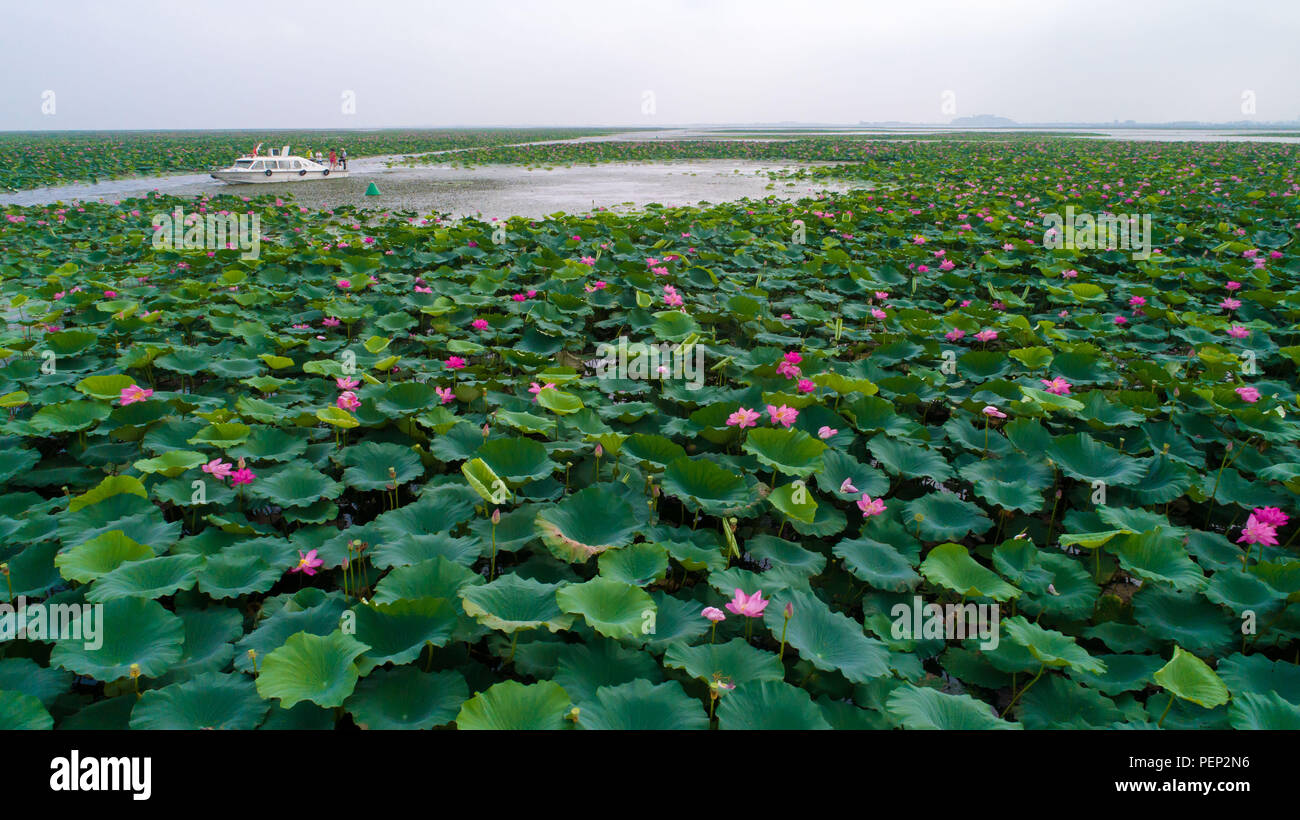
point(344, 157)
point(334, 159)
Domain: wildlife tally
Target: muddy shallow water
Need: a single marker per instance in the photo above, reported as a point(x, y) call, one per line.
point(486, 191)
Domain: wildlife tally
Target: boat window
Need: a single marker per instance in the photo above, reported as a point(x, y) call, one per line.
point(297, 165)
point(243, 163)
point(257, 166)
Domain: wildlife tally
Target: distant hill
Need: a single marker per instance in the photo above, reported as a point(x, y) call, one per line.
point(983, 121)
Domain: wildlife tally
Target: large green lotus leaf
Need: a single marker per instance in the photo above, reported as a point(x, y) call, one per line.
point(319, 614)
point(909, 460)
point(942, 516)
point(920, 707)
point(1051, 648)
point(639, 705)
point(69, 416)
point(24, 675)
point(769, 705)
point(585, 667)
point(879, 564)
point(435, 578)
point(654, 451)
point(70, 342)
point(1058, 702)
point(149, 578)
point(638, 564)
point(405, 399)
point(114, 485)
point(105, 387)
point(518, 460)
point(559, 402)
point(829, 640)
point(100, 556)
point(950, 565)
point(130, 631)
point(587, 523)
point(794, 501)
point(1188, 677)
point(318, 668)
point(1124, 673)
point(792, 452)
point(1158, 558)
point(1260, 711)
point(208, 701)
point(297, 485)
point(785, 555)
point(407, 698)
point(513, 706)
point(512, 603)
point(229, 576)
point(23, 711)
point(1082, 457)
point(491, 487)
point(615, 609)
point(209, 641)
point(734, 661)
point(676, 621)
point(222, 436)
point(1070, 592)
point(838, 467)
point(171, 463)
point(368, 466)
point(396, 632)
point(1251, 673)
point(439, 509)
point(1164, 481)
point(1186, 618)
point(701, 484)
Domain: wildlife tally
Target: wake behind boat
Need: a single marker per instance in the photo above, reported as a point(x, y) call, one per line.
point(277, 167)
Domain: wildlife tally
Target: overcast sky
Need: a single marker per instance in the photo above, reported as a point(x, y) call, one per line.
point(280, 64)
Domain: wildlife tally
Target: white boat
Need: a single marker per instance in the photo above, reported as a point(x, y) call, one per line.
point(278, 166)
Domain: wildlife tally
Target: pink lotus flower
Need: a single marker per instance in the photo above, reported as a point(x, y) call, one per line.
point(1258, 532)
point(986, 335)
point(344, 284)
point(825, 432)
point(1231, 285)
point(946, 265)
point(793, 357)
point(846, 486)
point(1070, 274)
point(445, 393)
point(878, 314)
point(806, 386)
point(1120, 320)
point(536, 388)
point(454, 363)
point(870, 506)
point(993, 412)
point(751, 606)
point(742, 418)
point(1230, 304)
point(1272, 516)
point(783, 415)
point(1057, 386)
point(714, 614)
point(109, 294)
point(518, 297)
point(242, 476)
point(347, 400)
point(308, 563)
point(1238, 332)
point(788, 369)
point(330, 322)
point(419, 289)
point(480, 324)
point(954, 334)
point(218, 469)
point(345, 383)
point(133, 394)
point(1137, 302)
point(1248, 394)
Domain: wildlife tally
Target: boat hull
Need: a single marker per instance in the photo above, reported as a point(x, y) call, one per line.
point(260, 177)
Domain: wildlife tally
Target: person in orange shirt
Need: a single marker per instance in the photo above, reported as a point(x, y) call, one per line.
point(334, 159)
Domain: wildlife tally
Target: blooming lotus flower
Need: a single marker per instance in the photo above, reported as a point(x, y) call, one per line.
point(954, 334)
point(344, 284)
point(783, 415)
point(1248, 394)
point(870, 506)
point(480, 324)
point(536, 388)
point(218, 468)
point(308, 563)
point(826, 432)
point(846, 486)
point(1238, 332)
point(133, 394)
point(1231, 285)
point(806, 386)
point(518, 297)
point(1120, 320)
point(750, 606)
point(1230, 303)
point(1272, 516)
point(454, 363)
point(1137, 302)
point(986, 335)
point(242, 476)
point(348, 400)
point(946, 265)
point(742, 418)
point(1057, 386)
point(714, 614)
point(444, 393)
point(1258, 532)
point(788, 369)
point(1069, 274)
point(993, 412)
point(345, 383)
point(878, 314)
point(793, 357)
point(109, 294)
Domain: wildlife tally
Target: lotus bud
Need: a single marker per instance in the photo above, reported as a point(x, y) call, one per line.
point(392, 473)
point(496, 517)
point(789, 611)
point(486, 429)
point(4, 569)
point(600, 451)
point(241, 462)
point(135, 670)
point(573, 714)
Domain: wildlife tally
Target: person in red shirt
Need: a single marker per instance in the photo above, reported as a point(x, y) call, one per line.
point(334, 158)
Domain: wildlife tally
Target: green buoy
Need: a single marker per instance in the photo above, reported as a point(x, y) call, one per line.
point(373, 190)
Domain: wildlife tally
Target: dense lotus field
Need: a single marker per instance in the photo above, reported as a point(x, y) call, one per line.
point(34, 160)
point(380, 476)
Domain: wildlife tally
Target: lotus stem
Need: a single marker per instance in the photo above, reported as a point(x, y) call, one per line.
point(1022, 691)
point(1161, 723)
